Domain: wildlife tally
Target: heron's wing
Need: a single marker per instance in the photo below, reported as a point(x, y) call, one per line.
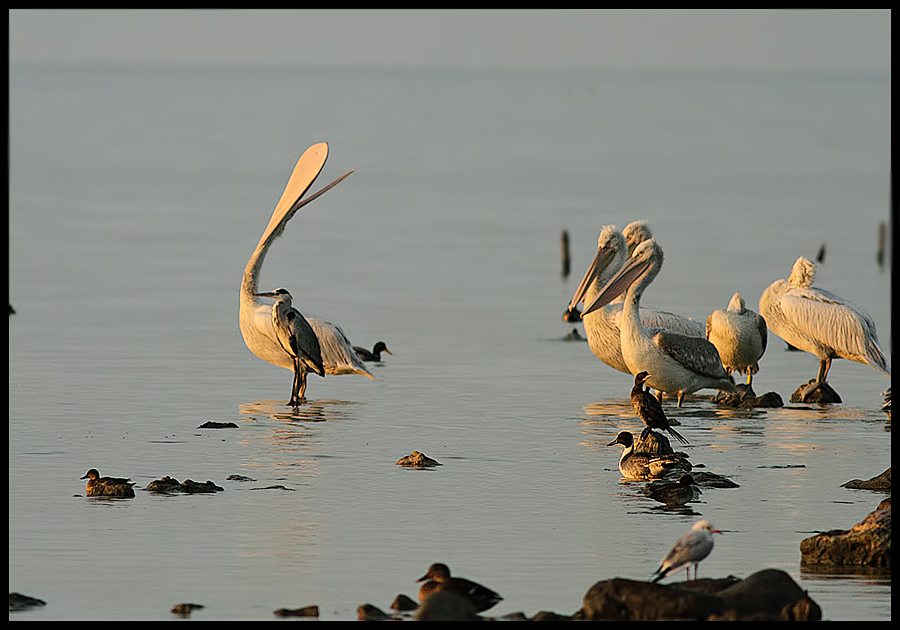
point(337, 351)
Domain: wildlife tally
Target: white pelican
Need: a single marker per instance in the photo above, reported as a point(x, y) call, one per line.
point(297, 338)
point(740, 336)
point(256, 317)
point(689, 549)
point(820, 322)
point(677, 364)
point(602, 324)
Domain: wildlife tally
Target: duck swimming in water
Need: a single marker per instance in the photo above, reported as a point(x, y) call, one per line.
point(673, 493)
point(374, 355)
point(98, 486)
point(438, 579)
point(640, 466)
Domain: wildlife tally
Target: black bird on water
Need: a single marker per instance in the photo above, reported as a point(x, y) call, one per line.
point(648, 408)
point(374, 355)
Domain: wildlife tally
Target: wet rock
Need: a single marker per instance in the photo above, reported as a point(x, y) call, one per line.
point(546, 615)
point(404, 603)
point(185, 610)
point(19, 602)
point(867, 543)
point(747, 400)
point(770, 594)
point(218, 425)
point(706, 479)
point(370, 612)
point(306, 611)
point(417, 460)
point(239, 478)
point(812, 392)
point(170, 484)
point(881, 483)
point(447, 606)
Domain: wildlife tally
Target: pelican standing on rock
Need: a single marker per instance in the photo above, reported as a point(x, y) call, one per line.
point(677, 364)
point(649, 408)
point(820, 322)
point(256, 317)
point(602, 325)
point(740, 336)
point(689, 549)
point(298, 339)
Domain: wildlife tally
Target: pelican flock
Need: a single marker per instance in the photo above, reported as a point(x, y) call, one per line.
point(820, 322)
point(602, 325)
point(740, 336)
point(678, 364)
point(256, 317)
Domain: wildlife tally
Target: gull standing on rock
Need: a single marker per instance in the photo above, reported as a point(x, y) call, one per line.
point(689, 549)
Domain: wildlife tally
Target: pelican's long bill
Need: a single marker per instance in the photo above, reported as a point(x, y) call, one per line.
point(604, 256)
point(618, 284)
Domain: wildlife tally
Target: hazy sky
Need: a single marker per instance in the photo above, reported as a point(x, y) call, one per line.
point(842, 40)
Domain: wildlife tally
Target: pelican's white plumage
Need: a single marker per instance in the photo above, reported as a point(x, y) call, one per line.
point(602, 325)
point(678, 364)
point(689, 549)
point(256, 317)
point(739, 335)
point(820, 322)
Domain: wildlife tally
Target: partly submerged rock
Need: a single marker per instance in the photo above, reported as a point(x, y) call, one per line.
point(881, 483)
point(813, 392)
point(185, 610)
point(867, 543)
point(170, 484)
point(306, 611)
point(370, 612)
point(417, 460)
point(19, 602)
point(769, 594)
point(748, 401)
point(404, 603)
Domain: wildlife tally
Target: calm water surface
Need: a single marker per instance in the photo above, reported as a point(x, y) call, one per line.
point(137, 195)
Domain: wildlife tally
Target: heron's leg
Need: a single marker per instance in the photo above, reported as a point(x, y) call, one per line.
point(680, 398)
point(295, 386)
point(302, 382)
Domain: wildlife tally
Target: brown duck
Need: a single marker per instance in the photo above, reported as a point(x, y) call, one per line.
point(438, 579)
point(98, 486)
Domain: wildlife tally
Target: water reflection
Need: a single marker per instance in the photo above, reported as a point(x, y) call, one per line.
point(312, 411)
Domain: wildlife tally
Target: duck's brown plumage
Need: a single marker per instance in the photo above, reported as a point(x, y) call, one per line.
point(98, 486)
point(438, 579)
point(649, 409)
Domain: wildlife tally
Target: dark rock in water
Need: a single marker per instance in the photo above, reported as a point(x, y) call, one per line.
point(573, 335)
point(881, 483)
point(813, 392)
point(218, 425)
point(195, 487)
point(748, 400)
point(417, 460)
point(306, 611)
point(185, 610)
point(867, 543)
point(706, 479)
point(239, 478)
point(769, 594)
point(404, 603)
point(169, 484)
point(447, 606)
point(19, 602)
point(369, 612)
point(546, 615)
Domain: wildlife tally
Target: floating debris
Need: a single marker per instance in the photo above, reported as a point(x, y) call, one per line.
point(218, 425)
point(417, 460)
